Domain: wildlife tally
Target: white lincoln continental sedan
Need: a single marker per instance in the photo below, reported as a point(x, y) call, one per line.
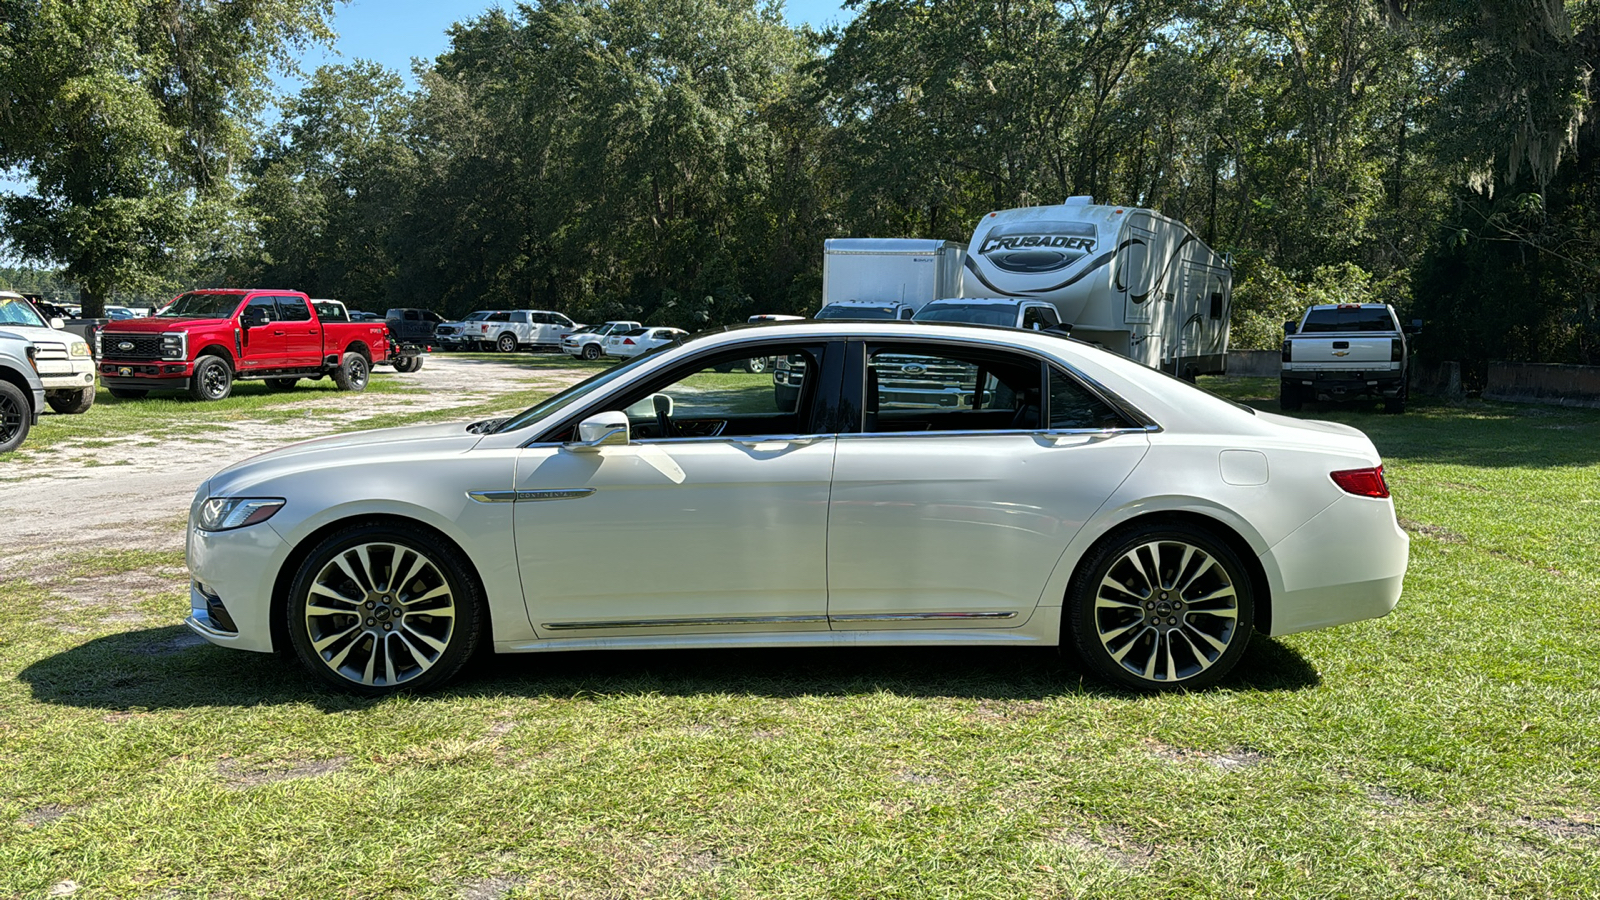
point(886, 483)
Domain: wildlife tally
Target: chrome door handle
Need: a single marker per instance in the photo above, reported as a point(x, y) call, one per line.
point(797, 441)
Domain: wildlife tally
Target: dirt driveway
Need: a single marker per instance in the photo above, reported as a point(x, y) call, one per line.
point(86, 497)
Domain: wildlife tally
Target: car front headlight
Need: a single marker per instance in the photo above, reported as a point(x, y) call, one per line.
point(174, 345)
point(225, 513)
point(79, 349)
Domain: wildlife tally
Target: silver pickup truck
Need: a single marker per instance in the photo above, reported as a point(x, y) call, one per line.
point(1346, 351)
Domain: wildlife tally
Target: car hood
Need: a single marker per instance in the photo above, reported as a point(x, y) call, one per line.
point(156, 325)
point(35, 334)
point(354, 451)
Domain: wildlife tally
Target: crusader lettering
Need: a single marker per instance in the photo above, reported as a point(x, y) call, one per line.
point(1027, 241)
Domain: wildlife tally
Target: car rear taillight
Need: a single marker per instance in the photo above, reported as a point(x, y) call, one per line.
point(1287, 355)
point(1397, 350)
point(628, 341)
point(1362, 482)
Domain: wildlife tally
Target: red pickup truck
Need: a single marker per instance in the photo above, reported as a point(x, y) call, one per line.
point(203, 341)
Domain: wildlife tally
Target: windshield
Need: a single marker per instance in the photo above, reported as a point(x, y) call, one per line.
point(577, 391)
point(17, 311)
point(201, 306)
point(1348, 319)
point(970, 313)
point(834, 311)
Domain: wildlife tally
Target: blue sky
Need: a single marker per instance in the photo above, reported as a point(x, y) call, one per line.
point(393, 32)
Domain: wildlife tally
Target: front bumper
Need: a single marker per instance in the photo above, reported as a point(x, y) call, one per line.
point(146, 375)
point(236, 571)
point(75, 377)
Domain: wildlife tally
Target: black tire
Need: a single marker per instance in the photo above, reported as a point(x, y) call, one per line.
point(507, 343)
point(128, 393)
point(16, 417)
point(377, 623)
point(1161, 636)
point(212, 379)
point(352, 373)
point(1395, 405)
point(591, 351)
point(1289, 396)
point(405, 364)
point(70, 403)
point(756, 366)
point(282, 384)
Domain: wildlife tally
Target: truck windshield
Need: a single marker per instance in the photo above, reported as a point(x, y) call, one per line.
point(201, 306)
point(1357, 319)
point(17, 311)
point(972, 314)
point(834, 311)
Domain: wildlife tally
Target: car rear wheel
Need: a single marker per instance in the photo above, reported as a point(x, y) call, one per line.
point(755, 366)
point(71, 402)
point(1161, 607)
point(16, 417)
point(377, 609)
point(507, 343)
point(352, 373)
point(591, 351)
point(128, 393)
point(212, 379)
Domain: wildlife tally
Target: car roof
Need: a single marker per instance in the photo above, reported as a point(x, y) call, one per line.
point(982, 301)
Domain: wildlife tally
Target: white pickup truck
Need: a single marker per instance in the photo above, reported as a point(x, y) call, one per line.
point(1346, 351)
point(589, 342)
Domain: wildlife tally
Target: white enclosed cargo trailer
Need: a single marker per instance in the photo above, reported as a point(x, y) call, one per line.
point(887, 278)
point(1130, 279)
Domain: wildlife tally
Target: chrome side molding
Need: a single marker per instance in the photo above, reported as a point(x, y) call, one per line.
point(515, 496)
point(920, 617)
point(686, 623)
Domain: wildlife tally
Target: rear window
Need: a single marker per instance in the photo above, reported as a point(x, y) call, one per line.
point(972, 314)
point(1352, 319)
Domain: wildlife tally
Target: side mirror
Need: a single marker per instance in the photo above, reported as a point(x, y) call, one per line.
point(1414, 328)
point(601, 430)
point(1290, 328)
point(57, 323)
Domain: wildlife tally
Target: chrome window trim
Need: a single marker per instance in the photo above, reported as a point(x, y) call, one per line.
point(685, 623)
point(919, 617)
point(1000, 431)
point(742, 439)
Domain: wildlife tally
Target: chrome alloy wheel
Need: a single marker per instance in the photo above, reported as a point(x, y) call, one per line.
point(380, 614)
point(1166, 611)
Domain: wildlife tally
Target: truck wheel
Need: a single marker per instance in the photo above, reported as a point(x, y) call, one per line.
point(591, 351)
point(16, 417)
point(128, 393)
point(282, 384)
point(756, 366)
point(1395, 405)
point(507, 343)
point(416, 363)
point(1161, 607)
point(71, 402)
point(352, 373)
point(212, 379)
point(1289, 396)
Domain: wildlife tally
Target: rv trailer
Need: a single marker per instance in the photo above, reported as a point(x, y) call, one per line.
point(1128, 279)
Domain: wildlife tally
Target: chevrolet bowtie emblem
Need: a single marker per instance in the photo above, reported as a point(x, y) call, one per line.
point(1341, 353)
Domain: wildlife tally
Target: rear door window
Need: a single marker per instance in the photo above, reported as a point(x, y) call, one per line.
point(293, 309)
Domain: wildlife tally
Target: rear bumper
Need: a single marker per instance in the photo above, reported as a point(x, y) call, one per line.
point(1339, 385)
point(1347, 564)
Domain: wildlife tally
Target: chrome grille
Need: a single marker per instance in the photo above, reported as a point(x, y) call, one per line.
point(44, 350)
point(130, 346)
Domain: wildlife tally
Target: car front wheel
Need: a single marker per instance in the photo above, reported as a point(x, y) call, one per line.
point(755, 366)
point(591, 351)
point(212, 379)
point(71, 402)
point(377, 609)
point(16, 417)
point(1161, 607)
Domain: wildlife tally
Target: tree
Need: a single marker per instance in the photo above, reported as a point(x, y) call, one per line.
point(131, 119)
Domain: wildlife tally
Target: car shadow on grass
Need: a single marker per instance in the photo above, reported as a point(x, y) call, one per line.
point(170, 668)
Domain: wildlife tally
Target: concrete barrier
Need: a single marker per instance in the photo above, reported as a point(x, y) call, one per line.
point(1548, 383)
point(1437, 379)
point(1255, 363)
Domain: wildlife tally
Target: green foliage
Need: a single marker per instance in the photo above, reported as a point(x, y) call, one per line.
point(1265, 297)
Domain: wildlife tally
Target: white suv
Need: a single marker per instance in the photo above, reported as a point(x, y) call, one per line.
point(65, 366)
point(507, 331)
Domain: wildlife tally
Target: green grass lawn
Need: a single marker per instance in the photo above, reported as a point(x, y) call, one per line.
point(1449, 750)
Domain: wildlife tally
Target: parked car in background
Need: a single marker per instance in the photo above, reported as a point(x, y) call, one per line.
point(773, 317)
point(411, 333)
point(454, 335)
point(864, 310)
point(21, 391)
point(120, 313)
point(204, 341)
point(1347, 351)
point(1085, 501)
point(510, 330)
point(62, 359)
point(1009, 312)
point(641, 340)
point(589, 341)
